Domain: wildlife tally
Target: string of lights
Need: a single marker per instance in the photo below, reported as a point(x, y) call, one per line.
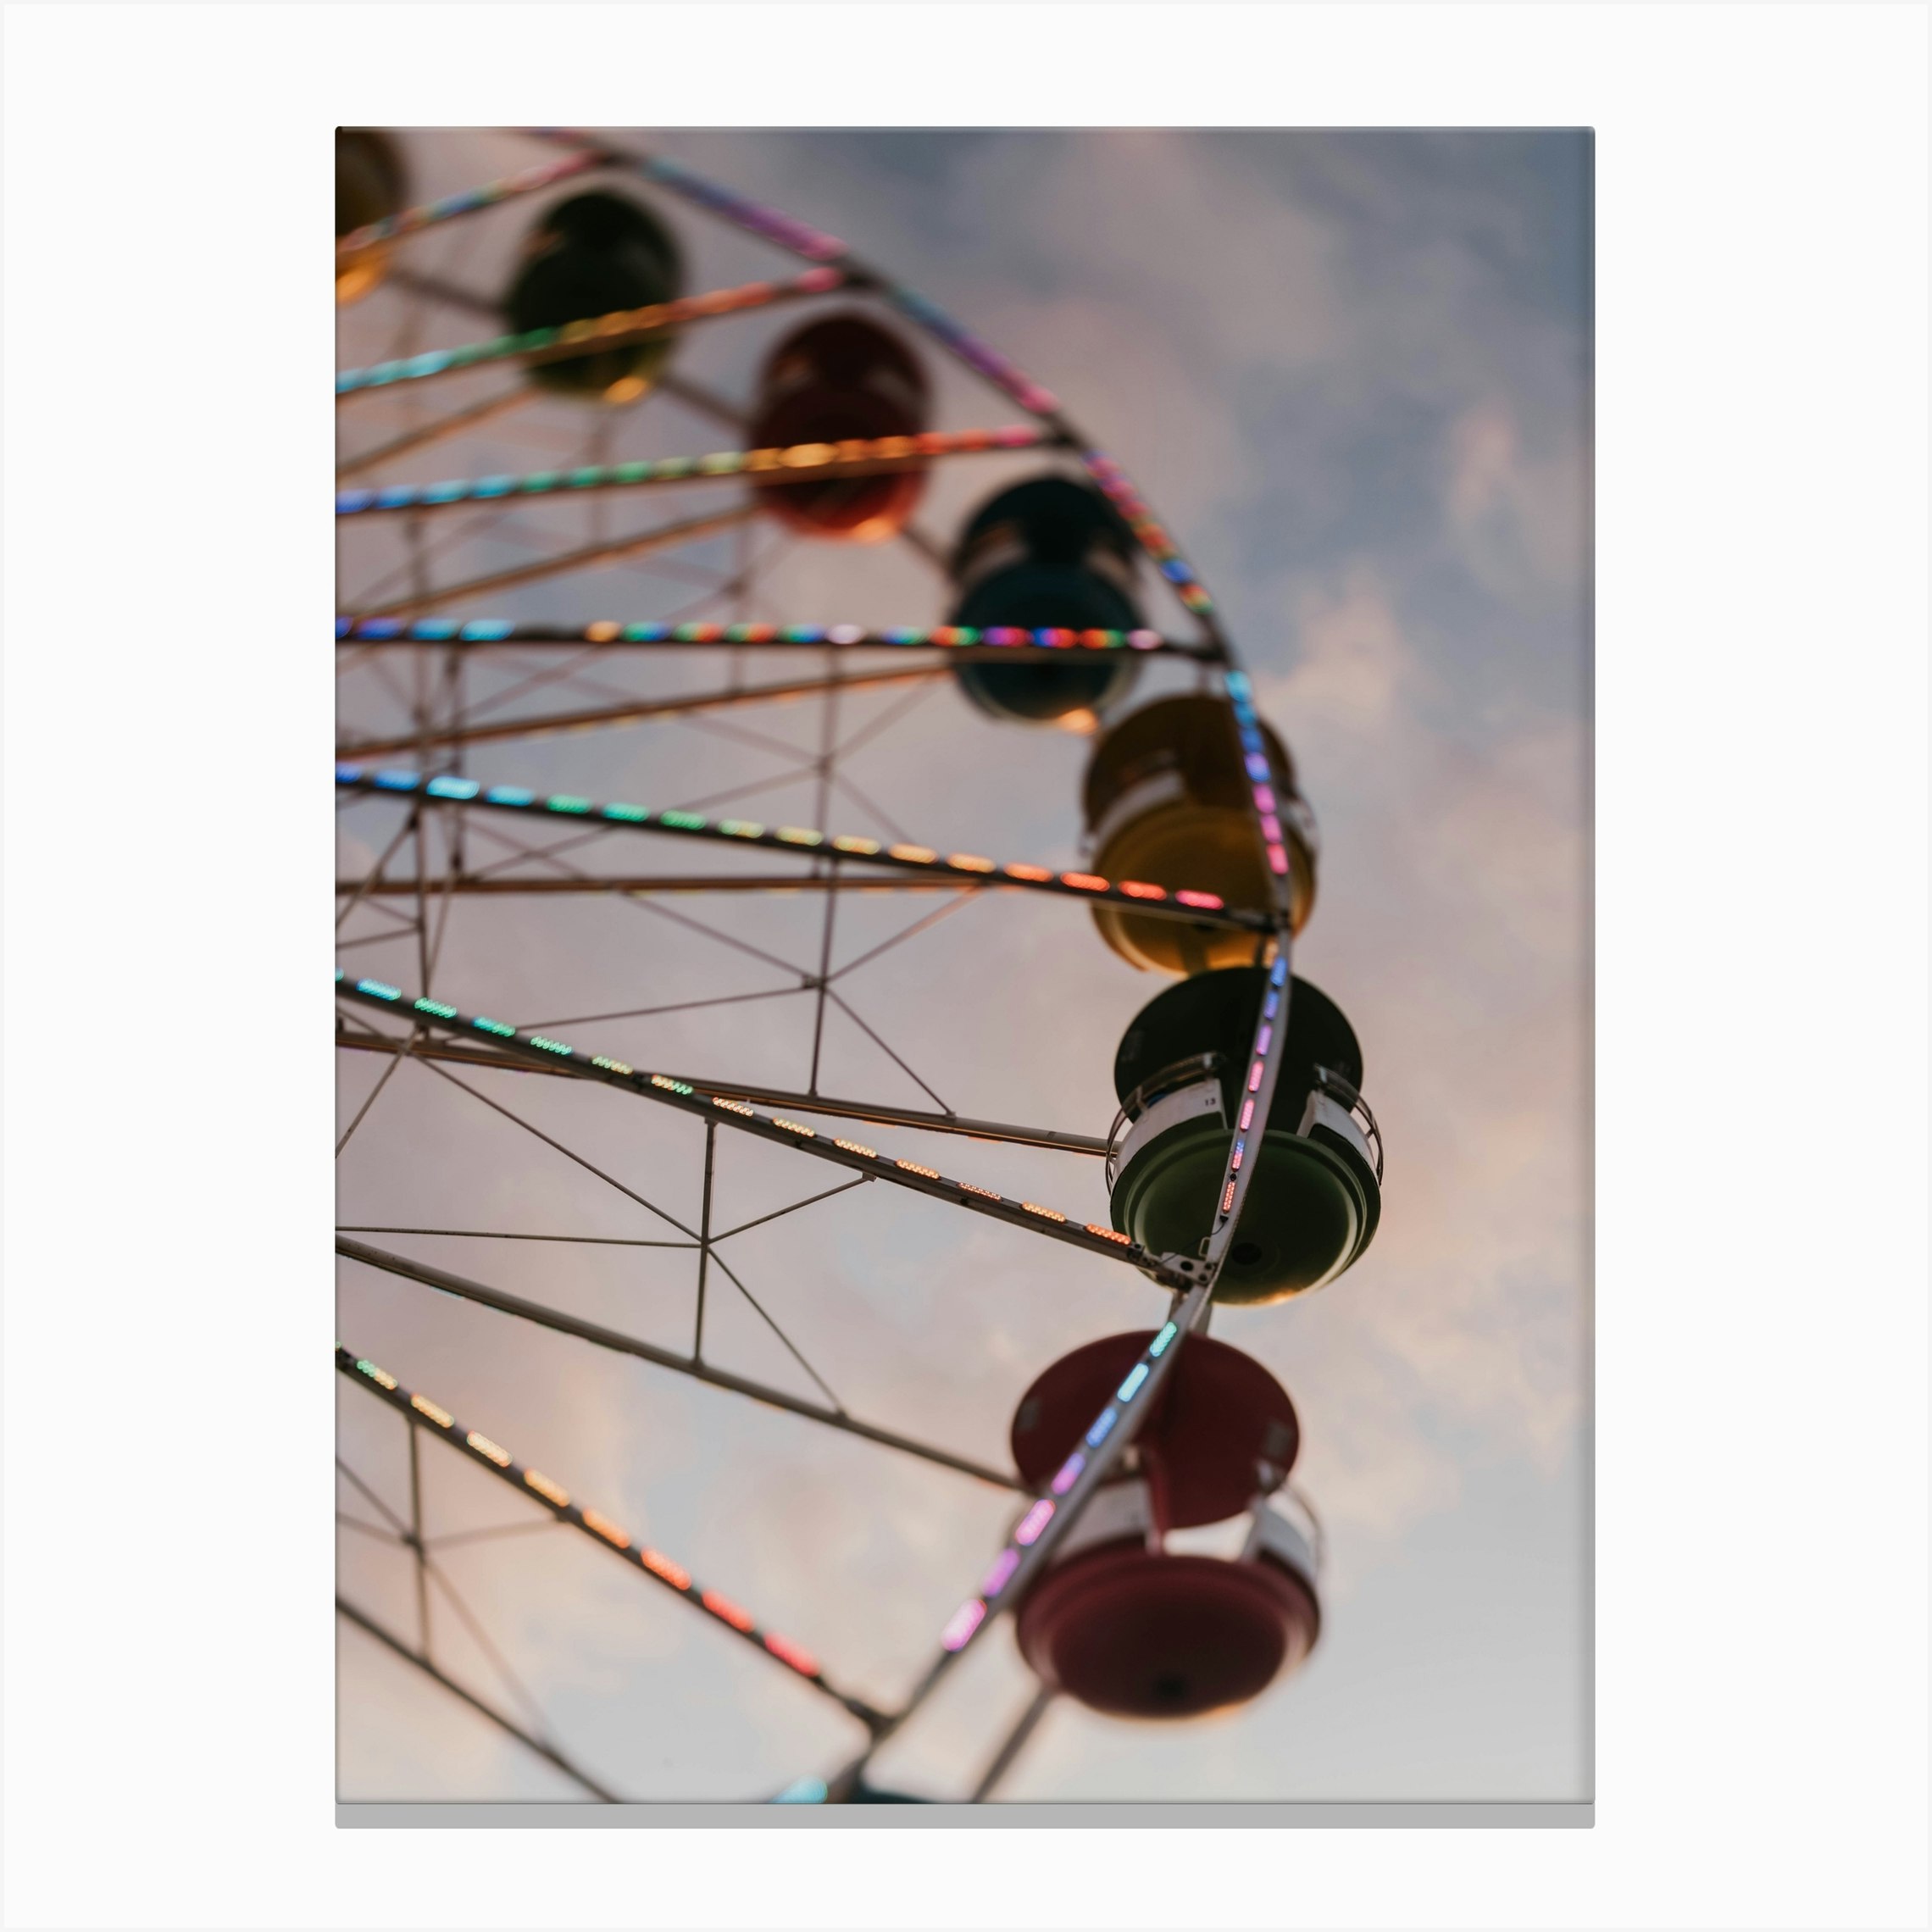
point(857, 458)
point(617, 330)
point(430, 215)
point(976, 353)
point(487, 1454)
point(1007, 639)
point(1206, 907)
point(728, 1110)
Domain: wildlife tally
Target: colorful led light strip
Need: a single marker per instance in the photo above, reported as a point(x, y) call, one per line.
point(1205, 907)
point(430, 214)
point(978, 355)
point(776, 636)
point(617, 330)
point(1089, 1236)
point(1118, 489)
point(493, 1456)
point(855, 458)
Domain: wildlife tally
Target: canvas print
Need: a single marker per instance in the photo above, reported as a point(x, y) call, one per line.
point(961, 993)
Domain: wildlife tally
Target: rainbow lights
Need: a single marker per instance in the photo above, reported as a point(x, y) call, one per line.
point(428, 214)
point(795, 1134)
point(1118, 489)
point(853, 458)
point(621, 326)
point(795, 1657)
point(963, 865)
point(1254, 751)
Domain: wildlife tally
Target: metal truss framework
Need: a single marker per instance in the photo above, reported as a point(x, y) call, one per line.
point(445, 801)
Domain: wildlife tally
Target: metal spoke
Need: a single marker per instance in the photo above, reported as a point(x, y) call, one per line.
point(745, 1226)
point(641, 543)
point(631, 711)
point(846, 1008)
point(602, 1337)
point(824, 1388)
point(457, 1536)
point(364, 1622)
point(403, 1054)
point(496, 1107)
point(498, 1234)
point(680, 1006)
point(911, 931)
point(368, 1495)
point(843, 782)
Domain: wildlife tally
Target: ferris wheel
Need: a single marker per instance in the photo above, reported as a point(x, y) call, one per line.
point(479, 709)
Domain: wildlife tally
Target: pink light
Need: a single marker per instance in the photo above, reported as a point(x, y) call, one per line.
point(1035, 1520)
point(1227, 1198)
point(966, 1619)
point(1261, 1046)
point(1068, 1473)
point(1254, 1077)
point(1206, 900)
point(997, 1578)
point(1277, 858)
point(1263, 799)
point(1272, 826)
point(1247, 1116)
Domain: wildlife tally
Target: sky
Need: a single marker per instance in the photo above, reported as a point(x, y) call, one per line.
point(1351, 371)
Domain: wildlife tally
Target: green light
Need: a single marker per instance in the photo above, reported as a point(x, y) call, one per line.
point(635, 813)
point(683, 821)
point(495, 1026)
point(563, 802)
point(437, 1007)
point(551, 1046)
point(741, 828)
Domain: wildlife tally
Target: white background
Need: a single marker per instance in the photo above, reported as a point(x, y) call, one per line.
point(1760, 917)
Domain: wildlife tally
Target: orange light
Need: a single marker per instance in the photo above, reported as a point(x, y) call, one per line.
point(1109, 1233)
point(917, 855)
point(1045, 1214)
point(611, 1532)
point(1084, 881)
point(734, 1614)
point(659, 1564)
point(440, 1417)
point(801, 1659)
point(913, 1167)
point(988, 1193)
point(550, 1491)
point(484, 1446)
point(1037, 873)
point(853, 1148)
point(793, 1126)
point(970, 862)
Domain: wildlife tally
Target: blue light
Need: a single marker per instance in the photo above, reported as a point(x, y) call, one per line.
point(433, 627)
point(453, 492)
point(397, 497)
point(1129, 1389)
point(380, 627)
point(487, 632)
point(495, 1026)
point(1280, 973)
point(348, 501)
point(1238, 686)
point(492, 486)
point(1103, 1429)
point(398, 780)
point(804, 1791)
point(1158, 1346)
point(348, 775)
point(344, 625)
point(510, 794)
point(447, 787)
point(381, 988)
